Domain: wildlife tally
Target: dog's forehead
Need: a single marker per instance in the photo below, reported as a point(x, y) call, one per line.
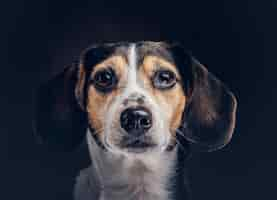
point(97, 53)
point(158, 49)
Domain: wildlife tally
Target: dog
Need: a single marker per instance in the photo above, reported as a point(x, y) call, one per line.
point(134, 103)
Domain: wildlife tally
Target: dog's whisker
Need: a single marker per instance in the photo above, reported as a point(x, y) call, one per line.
point(180, 145)
point(97, 131)
point(180, 133)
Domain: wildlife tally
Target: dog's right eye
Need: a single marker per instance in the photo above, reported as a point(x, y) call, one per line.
point(105, 80)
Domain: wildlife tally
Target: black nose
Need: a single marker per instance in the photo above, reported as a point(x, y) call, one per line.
point(136, 121)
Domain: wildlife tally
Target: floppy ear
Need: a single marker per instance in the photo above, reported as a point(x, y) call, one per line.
point(59, 120)
point(209, 115)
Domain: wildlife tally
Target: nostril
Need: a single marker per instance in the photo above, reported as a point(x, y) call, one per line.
point(145, 122)
point(140, 100)
point(126, 121)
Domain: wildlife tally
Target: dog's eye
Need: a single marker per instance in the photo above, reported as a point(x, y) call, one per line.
point(164, 79)
point(105, 80)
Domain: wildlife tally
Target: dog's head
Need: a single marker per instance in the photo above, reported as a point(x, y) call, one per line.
point(136, 97)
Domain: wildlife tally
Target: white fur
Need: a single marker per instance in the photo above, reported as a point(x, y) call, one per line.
point(120, 177)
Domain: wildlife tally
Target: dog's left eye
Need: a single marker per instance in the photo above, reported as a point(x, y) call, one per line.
point(105, 80)
point(164, 79)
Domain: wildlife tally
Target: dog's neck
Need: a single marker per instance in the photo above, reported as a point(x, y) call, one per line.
point(121, 177)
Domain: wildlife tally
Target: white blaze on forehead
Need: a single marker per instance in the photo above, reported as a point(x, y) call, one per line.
point(132, 68)
point(132, 56)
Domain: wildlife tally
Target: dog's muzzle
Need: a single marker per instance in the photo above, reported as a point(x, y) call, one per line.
point(136, 122)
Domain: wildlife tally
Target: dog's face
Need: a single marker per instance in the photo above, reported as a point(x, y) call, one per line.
point(136, 97)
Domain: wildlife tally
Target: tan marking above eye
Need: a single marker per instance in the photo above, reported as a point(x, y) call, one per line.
point(98, 103)
point(171, 101)
point(117, 63)
point(152, 63)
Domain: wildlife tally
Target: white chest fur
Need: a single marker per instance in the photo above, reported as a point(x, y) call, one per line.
point(121, 177)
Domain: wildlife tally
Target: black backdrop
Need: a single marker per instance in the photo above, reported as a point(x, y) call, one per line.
point(236, 39)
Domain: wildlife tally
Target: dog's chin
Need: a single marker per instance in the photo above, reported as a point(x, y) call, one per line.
point(138, 147)
point(128, 144)
point(140, 144)
point(134, 147)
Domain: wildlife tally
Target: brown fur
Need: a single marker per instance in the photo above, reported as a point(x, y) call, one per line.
point(152, 63)
point(173, 99)
point(98, 102)
point(79, 93)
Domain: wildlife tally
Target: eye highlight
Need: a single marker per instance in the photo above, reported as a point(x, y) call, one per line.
point(164, 79)
point(105, 80)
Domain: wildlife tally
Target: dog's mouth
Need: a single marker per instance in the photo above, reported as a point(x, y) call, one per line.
point(137, 145)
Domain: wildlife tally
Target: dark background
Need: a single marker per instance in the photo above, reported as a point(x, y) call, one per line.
point(236, 39)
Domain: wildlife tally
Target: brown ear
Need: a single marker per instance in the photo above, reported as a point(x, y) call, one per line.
point(209, 118)
point(210, 113)
point(59, 120)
